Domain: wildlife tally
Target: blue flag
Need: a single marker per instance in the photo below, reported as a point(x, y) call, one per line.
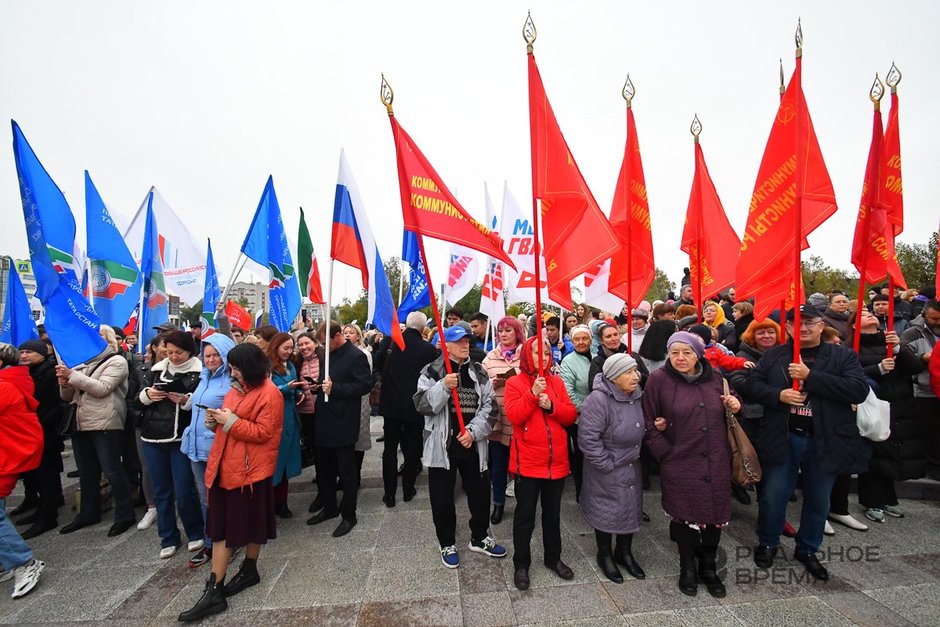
point(266, 244)
point(212, 293)
point(115, 279)
point(419, 293)
point(155, 308)
point(71, 322)
point(18, 324)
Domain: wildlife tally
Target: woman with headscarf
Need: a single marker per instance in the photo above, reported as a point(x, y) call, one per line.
point(684, 403)
point(610, 435)
point(353, 334)
point(500, 364)
point(214, 384)
point(539, 409)
point(284, 376)
point(723, 332)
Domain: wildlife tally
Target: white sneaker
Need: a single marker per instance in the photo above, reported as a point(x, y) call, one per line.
point(511, 489)
point(5, 575)
point(848, 521)
point(195, 545)
point(149, 518)
point(828, 530)
point(27, 576)
point(167, 552)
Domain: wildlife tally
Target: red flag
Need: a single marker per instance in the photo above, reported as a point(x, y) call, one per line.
point(576, 234)
point(632, 270)
point(792, 171)
point(708, 238)
point(890, 191)
point(430, 209)
point(238, 316)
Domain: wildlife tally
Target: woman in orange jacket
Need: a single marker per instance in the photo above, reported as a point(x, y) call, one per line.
point(239, 476)
point(539, 409)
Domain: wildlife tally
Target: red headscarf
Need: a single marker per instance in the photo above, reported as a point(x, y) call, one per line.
point(527, 366)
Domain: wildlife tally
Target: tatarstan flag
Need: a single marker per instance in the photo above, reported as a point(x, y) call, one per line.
point(576, 235)
point(792, 171)
point(307, 266)
point(708, 238)
point(633, 269)
point(428, 207)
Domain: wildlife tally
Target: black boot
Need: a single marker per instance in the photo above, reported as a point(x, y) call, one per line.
point(29, 503)
point(708, 571)
point(623, 555)
point(605, 558)
point(246, 577)
point(212, 601)
point(686, 539)
point(497, 516)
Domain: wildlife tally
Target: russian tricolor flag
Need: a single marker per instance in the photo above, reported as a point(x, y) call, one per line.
point(354, 245)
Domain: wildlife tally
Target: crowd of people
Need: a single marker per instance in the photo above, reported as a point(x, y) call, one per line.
point(209, 426)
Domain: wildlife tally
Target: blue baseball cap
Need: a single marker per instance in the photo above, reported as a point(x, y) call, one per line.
point(455, 333)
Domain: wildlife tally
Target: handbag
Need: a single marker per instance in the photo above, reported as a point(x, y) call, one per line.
point(745, 467)
point(874, 418)
point(67, 425)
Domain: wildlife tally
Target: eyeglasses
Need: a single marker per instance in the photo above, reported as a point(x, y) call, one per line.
point(806, 324)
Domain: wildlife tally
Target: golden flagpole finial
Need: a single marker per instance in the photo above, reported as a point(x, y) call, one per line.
point(893, 78)
point(529, 33)
point(799, 38)
point(629, 91)
point(783, 87)
point(387, 96)
point(696, 128)
point(876, 92)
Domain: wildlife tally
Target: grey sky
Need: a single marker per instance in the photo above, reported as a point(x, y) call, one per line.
point(205, 99)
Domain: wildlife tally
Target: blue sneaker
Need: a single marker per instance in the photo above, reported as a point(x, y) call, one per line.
point(449, 556)
point(488, 546)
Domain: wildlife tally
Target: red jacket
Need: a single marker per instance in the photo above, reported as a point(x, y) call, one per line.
point(720, 359)
point(20, 431)
point(934, 367)
point(539, 446)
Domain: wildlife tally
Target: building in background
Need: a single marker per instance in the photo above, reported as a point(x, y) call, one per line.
point(25, 269)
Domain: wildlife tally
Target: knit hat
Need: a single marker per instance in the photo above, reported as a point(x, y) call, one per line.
point(37, 346)
point(617, 364)
point(690, 339)
point(819, 301)
point(703, 331)
point(580, 328)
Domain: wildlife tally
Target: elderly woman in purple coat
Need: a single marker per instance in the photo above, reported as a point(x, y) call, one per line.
point(610, 432)
point(684, 403)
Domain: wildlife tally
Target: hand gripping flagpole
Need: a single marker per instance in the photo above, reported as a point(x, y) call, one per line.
point(893, 78)
point(388, 96)
point(696, 130)
point(529, 34)
point(628, 92)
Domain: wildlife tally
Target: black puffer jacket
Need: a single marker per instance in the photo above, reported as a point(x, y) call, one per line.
point(164, 421)
point(50, 404)
point(901, 456)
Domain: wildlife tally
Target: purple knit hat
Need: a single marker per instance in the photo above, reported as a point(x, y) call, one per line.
point(691, 339)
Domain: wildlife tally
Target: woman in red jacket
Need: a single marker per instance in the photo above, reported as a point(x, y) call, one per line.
point(539, 409)
point(239, 476)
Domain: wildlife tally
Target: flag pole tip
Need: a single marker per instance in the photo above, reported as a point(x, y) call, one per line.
point(629, 91)
point(529, 33)
point(696, 127)
point(798, 37)
point(876, 92)
point(893, 78)
point(387, 95)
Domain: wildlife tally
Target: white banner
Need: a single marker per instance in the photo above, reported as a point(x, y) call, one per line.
point(464, 270)
point(595, 290)
point(519, 237)
point(492, 301)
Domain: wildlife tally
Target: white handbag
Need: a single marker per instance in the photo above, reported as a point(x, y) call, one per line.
point(874, 418)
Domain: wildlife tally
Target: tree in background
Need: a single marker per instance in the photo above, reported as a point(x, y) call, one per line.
point(660, 288)
point(918, 261)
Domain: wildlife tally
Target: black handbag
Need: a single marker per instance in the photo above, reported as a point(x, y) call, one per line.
point(67, 425)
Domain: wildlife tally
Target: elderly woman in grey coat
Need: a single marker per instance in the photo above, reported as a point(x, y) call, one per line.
point(610, 433)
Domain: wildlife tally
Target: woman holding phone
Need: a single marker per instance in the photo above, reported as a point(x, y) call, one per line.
point(284, 376)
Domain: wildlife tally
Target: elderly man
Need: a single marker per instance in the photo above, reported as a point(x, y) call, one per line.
point(921, 338)
point(811, 429)
point(400, 370)
point(448, 449)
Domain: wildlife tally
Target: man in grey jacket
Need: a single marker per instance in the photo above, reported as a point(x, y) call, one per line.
point(920, 337)
point(448, 449)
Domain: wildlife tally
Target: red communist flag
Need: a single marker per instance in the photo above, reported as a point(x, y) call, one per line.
point(632, 269)
point(575, 233)
point(238, 316)
point(890, 191)
point(430, 209)
point(709, 240)
point(792, 180)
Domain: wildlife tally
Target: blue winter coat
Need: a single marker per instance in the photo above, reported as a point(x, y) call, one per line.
point(212, 388)
point(288, 453)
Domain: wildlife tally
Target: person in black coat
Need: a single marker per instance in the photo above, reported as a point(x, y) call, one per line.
point(336, 424)
point(45, 482)
point(812, 428)
point(400, 370)
point(609, 336)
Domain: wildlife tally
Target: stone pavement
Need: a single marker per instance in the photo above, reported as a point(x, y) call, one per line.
point(387, 571)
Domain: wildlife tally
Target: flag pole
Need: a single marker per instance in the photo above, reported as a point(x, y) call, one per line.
point(628, 92)
point(797, 215)
point(328, 321)
point(892, 79)
point(529, 34)
point(783, 301)
point(696, 130)
point(236, 270)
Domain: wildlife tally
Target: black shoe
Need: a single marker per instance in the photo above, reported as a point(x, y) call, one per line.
point(26, 506)
point(561, 569)
point(282, 511)
point(28, 519)
point(497, 516)
point(120, 527)
point(688, 578)
point(708, 572)
point(813, 567)
point(520, 578)
point(324, 514)
point(316, 505)
point(623, 555)
point(39, 528)
point(646, 517)
point(764, 556)
point(605, 561)
point(409, 494)
point(344, 527)
point(246, 577)
point(740, 494)
point(212, 602)
point(72, 474)
point(77, 524)
point(388, 500)
point(381, 438)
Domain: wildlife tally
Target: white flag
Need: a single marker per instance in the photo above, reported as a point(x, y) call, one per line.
point(492, 301)
point(464, 270)
point(516, 230)
point(595, 290)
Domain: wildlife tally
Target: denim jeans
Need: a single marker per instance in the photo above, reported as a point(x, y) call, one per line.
point(777, 485)
point(172, 475)
point(97, 452)
point(199, 474)
point(14, 552)
point(499, 470)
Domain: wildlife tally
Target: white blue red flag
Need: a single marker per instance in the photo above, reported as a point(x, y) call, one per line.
point(155, 308)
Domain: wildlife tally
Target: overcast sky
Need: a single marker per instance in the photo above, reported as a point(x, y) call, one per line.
point(205, 99)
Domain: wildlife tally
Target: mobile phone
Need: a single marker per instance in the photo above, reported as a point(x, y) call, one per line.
point(202, 406)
